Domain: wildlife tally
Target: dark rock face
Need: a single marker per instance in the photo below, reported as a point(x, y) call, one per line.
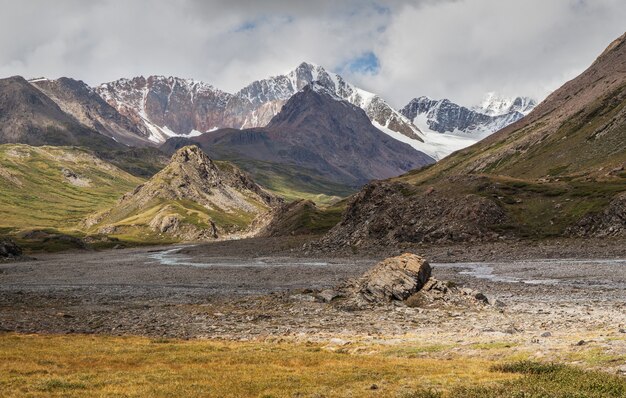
point(318, 131)
point(609, 222)
point(8, 249)
point(383, 214)
point(28, 116)
point(83, 103)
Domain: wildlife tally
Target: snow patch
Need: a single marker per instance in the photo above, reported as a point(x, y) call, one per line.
point(436, 145)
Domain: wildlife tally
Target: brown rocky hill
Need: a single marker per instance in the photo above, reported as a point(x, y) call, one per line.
point(28, 116)
point(319, 132)
point(558, 171)
point(192, 198)
point(83, 103)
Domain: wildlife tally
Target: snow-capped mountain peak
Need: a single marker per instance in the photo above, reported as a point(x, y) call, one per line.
point(457, 126)
point(495, 105)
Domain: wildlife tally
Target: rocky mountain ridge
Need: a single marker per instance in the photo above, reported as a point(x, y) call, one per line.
point(82, 102)
point(170, 106)
point(319, 132)
point(192, 198)
point(444, 116)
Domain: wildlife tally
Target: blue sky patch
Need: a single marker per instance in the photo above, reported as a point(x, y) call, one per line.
point(366, 63)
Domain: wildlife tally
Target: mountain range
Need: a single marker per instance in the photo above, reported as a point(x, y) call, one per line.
point(315, 130)
point(558, 171)
point(446, 117)
point(144, 112)
point(551, 169)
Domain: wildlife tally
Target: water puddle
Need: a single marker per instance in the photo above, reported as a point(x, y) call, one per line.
point(486, 270)
point(174, 258)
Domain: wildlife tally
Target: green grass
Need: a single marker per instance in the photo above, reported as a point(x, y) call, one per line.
point(541, 380)
point(541, 210)
point(37, 195)
point(294, 182)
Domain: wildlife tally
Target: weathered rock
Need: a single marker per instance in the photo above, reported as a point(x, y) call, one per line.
point(387, 213)
point(8, 249)
point(609, 222)
point(395, 278)
point(328, 295)
point(193, 198)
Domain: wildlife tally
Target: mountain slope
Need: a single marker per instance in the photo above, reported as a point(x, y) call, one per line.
point(319, 132)
point(85, 105)
point(28, 116)
point(191, 199)
point(168, 106)
point(280, 88)
point(44, 187)
point(558, 171)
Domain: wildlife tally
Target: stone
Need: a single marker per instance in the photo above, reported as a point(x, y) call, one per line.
point(481, 297)
point(328, 295)
point(8, 249)
point(395, 278)
point(495, 302)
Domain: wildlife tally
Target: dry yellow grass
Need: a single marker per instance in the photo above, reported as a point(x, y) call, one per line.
point(99, 366)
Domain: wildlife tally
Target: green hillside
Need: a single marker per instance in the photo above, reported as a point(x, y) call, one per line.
point(55, 187)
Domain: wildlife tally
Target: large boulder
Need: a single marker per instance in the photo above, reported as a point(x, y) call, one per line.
point(8, 249)
point(395, 278)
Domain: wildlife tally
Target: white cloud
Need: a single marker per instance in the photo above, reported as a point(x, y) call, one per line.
point(455, 49)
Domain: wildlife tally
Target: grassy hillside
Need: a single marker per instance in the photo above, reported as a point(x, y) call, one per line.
point(292, 182)
point(55, 187)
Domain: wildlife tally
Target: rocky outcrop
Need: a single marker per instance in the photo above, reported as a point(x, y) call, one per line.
point(9, 249)
point(395, 278)
point(191, 199)
point(386, 213)
point(404, 279)
point(609, 222)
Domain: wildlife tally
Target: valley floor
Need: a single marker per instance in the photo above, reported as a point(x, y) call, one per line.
point(558, 301)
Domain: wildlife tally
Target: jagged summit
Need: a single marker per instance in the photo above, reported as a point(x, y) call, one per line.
point(192, 198)
point(444, 116)
point(495, 105)
point(170, 107)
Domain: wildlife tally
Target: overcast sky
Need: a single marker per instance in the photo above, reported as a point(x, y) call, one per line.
point(458, 49)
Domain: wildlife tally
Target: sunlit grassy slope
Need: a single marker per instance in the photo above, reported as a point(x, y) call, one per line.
point(99, 366)
point(35, 192)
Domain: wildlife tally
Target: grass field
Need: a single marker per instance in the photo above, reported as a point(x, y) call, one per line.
point(99, 366)
point(35, 193)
